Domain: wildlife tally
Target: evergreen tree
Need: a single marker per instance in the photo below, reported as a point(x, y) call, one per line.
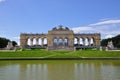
point(115, 40)
point(4, 42)
point(14, 43)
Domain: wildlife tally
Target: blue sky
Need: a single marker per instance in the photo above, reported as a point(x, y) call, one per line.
point(39, 16)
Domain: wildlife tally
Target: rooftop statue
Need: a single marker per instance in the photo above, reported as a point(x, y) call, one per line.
point(54, 28)
point(60, 28)
point(66, 28)
point(110, 45)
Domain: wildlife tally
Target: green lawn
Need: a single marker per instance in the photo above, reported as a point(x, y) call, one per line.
point(59, 54)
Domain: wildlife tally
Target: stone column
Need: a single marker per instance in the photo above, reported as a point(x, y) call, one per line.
point(93, 43)
point(23, 40)
point(63, 42)
point(57, 42)
point(42, 42)
point(89, 42)
point(37, 41)
point(97, 42)
point(83, 42)
point(78, 41)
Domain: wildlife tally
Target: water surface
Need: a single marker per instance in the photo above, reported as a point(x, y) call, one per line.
point(60, 70)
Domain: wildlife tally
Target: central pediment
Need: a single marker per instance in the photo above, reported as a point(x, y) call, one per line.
point(60, 31)
point(60, 28)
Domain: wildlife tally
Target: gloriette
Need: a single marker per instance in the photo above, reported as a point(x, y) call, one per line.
point(60, 39)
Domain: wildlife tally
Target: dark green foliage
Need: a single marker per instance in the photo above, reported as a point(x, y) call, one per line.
point(14, 43)
point(104, 42)
point(3, 42)
point(115, 40)
point(54, 28)
point(66, 28)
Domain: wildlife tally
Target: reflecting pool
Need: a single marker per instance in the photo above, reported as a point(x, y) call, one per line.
point(60, 70)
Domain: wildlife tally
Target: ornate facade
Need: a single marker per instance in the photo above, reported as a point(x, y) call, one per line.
point(60, 39)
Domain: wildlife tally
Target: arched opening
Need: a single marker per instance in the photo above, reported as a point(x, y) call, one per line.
point(86, 41)
point(81, 41)
point(66, 41)
point(34, 41)
point(29, 42)
point(55, 42)
point(76, 41)
point(45, 41)
point(91, 41)
point(60, 41)
point(39, 41)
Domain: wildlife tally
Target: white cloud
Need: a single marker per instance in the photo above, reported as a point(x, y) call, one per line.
point(81, 29)
point(107, 28)
point(2, 0)
point(106, 22)
point(109, 36)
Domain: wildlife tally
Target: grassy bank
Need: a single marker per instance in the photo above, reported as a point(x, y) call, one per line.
point(59, 54)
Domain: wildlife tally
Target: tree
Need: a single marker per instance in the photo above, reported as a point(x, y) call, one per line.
point(66, 28)
point(14, 43)
point(115, 40)
point(3, 42)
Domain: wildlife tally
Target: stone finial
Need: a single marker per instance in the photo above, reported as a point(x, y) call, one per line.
point(66, 28)
point(110, 45)
point(9, 45)
point(60, 27)
point(55, 28)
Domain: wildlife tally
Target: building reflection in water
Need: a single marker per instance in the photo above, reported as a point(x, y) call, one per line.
point(60, 70)
point(88, 71)
point(33, 72)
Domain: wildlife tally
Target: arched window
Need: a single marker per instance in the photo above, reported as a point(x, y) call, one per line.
point(66, 41)
point(86, 41)
point(45, 42)
point(34, 41)
point(29, 41)
point(60, 42)
point(81, 41)
point(76, 41)
point(91, 41)
point(39, 41)
point(55, 42)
